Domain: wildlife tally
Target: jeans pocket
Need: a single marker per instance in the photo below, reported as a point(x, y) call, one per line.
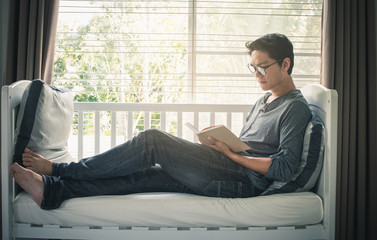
point(229, 189)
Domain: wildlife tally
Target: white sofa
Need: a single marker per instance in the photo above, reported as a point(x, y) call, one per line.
point(306, 215)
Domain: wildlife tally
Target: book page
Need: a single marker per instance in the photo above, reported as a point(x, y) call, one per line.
point(222, 134)
point(192, 127)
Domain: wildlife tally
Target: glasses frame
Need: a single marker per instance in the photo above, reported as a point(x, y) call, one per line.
point(261, 70)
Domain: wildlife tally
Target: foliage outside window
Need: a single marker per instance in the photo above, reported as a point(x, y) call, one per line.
point(175, 51)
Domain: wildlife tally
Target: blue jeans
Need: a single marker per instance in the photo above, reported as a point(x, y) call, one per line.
point(153, 161)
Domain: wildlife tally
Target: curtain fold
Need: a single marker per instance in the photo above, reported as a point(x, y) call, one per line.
point(349, 66)
point(31, 40)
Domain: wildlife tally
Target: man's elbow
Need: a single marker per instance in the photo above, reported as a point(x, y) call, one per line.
point(282, 173)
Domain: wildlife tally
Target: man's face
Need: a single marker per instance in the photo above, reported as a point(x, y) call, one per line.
point(274, 75)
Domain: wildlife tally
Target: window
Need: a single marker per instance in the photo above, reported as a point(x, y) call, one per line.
point(177, 51)
point(171, 51)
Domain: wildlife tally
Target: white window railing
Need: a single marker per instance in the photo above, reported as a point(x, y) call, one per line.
point(110, 124)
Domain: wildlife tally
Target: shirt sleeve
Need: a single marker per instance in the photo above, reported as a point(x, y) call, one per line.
point(292, 128)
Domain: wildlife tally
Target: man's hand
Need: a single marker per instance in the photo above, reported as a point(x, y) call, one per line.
point(216, 145)
point(258, 164)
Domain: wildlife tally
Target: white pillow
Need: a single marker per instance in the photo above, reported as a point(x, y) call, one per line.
point(44, 122)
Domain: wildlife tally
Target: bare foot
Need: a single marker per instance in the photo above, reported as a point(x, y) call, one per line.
point(30, 181)
point(36, 162)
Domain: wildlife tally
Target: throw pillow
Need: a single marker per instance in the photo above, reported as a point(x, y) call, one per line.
point(311, 161)
point(44, 122)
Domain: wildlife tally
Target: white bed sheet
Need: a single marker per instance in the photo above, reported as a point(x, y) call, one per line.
point(175, 210)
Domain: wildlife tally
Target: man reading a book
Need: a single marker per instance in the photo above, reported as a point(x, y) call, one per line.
point(157, 161)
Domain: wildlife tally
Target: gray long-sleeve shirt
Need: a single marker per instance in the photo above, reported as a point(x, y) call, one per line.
point(276, 130)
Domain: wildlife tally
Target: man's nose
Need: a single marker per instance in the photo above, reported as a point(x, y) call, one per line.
point(258, 75)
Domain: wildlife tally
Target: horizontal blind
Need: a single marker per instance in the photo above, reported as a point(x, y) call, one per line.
point(175, 51)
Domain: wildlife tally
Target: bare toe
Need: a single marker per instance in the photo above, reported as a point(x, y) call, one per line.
point(30, 181)
point(36, 162)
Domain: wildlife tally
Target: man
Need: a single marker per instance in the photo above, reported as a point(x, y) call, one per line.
point(157, 161)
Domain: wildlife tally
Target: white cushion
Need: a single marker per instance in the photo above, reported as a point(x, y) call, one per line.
point(44, 122)
point(175, 210)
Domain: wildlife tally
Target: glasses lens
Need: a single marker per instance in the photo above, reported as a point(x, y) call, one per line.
point(261, 70)
point(251, 68)
point(254, 70)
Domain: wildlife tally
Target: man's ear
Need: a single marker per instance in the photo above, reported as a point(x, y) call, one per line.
point(286, 64)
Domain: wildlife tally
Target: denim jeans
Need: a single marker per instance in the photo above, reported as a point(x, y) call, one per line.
point(153, 161)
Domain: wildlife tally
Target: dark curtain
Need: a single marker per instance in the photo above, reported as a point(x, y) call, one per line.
point(31, 40)
point(349, 66)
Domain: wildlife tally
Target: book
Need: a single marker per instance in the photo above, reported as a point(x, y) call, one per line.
point(221, 133)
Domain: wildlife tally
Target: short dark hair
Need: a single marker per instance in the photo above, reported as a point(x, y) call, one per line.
point(276, 45)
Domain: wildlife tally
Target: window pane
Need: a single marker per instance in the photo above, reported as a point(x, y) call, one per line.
point(177, 51)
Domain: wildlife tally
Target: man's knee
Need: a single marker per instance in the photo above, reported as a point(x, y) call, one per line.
point(152, 133)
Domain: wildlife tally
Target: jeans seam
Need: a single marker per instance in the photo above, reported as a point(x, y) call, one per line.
point(218, 183)
point(240, 189)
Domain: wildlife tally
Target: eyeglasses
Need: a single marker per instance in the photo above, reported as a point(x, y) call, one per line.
point(261, 70)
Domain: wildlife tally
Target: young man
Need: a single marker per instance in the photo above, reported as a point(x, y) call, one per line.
point(157, 161)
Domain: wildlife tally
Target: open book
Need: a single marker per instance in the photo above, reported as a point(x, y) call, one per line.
point(223, 134)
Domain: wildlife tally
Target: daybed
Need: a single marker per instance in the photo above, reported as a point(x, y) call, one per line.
point(299, 215)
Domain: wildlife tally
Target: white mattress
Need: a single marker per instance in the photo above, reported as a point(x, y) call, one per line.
point(175, 210)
